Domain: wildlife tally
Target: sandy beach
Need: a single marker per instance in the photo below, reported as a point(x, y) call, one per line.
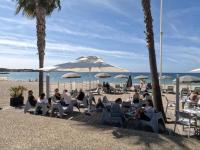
point(26, 131)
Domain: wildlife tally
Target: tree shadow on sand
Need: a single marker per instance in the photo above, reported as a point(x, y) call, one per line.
point(148, 139)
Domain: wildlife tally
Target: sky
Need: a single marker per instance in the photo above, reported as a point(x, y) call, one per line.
point(110, 29)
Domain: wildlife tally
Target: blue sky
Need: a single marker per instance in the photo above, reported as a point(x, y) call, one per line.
point(111, 29)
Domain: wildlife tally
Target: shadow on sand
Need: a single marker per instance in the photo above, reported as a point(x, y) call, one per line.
point(147, 139)
point(144, 138)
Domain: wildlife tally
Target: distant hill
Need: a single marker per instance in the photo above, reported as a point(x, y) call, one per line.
point(17, 70)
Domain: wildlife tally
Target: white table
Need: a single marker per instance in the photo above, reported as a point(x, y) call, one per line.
point(193, 111)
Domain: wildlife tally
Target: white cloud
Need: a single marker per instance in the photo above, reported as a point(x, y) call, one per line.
point(108, 33)
point(22, 44)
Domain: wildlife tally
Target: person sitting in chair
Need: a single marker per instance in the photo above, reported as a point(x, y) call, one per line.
point(145, 113)
point(42, 99)
point(194, 97)
point(43, 104)
point(66, 98)
point(81, 95)
point(31, 98)
point(117, 107)
point(57, 96)
point(145, 94)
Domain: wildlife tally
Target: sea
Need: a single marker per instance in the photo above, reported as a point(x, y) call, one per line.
point(57, 76)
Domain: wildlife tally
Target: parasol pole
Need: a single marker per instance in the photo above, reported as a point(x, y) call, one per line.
point(161, 38)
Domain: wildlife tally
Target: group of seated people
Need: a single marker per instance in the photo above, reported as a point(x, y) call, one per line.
point(64, 99)
point(144, 112)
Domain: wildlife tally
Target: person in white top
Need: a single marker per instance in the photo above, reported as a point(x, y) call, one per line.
point(42, 99)
point(142, 86)
point(42, 105)
point(66, 97)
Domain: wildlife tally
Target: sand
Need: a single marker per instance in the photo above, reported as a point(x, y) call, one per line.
point(78, 131)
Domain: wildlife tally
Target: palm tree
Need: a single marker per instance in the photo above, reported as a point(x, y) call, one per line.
point(38, 9)
point(152, 56)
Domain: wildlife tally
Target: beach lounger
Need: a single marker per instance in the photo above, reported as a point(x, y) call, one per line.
point(155, 122)
point(61, 110)
point(170, 89)
point(96, 91)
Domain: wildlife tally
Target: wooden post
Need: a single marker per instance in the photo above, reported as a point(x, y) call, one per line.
point(177, 96)
point(47, 85)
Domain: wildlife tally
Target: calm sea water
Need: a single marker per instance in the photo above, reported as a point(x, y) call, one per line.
point(56, 76)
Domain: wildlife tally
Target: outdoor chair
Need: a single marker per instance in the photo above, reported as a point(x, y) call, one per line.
point(112, 116)
point(168, 103)
point(185, 119)
point(184, 92)
point(83, 103)
point(155, 121)
point(170, 89)
point(197, 89)
point(61, 110)
point(28, 107)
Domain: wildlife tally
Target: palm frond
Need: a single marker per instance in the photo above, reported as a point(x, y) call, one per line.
point(28, 7)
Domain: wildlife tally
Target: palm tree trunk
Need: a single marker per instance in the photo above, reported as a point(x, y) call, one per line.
point(40, 25)
point(157, 99)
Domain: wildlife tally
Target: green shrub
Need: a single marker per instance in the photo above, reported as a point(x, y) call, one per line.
point(17, 91)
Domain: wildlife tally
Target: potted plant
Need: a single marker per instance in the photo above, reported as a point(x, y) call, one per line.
point(16, 94)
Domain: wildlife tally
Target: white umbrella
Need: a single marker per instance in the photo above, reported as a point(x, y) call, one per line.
point(195, 70)
point(141, 77)
point(121, 76)
point(189, 79)
point(103, 75)
point(71, 75)
point(89, 64)
point(85, 64)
